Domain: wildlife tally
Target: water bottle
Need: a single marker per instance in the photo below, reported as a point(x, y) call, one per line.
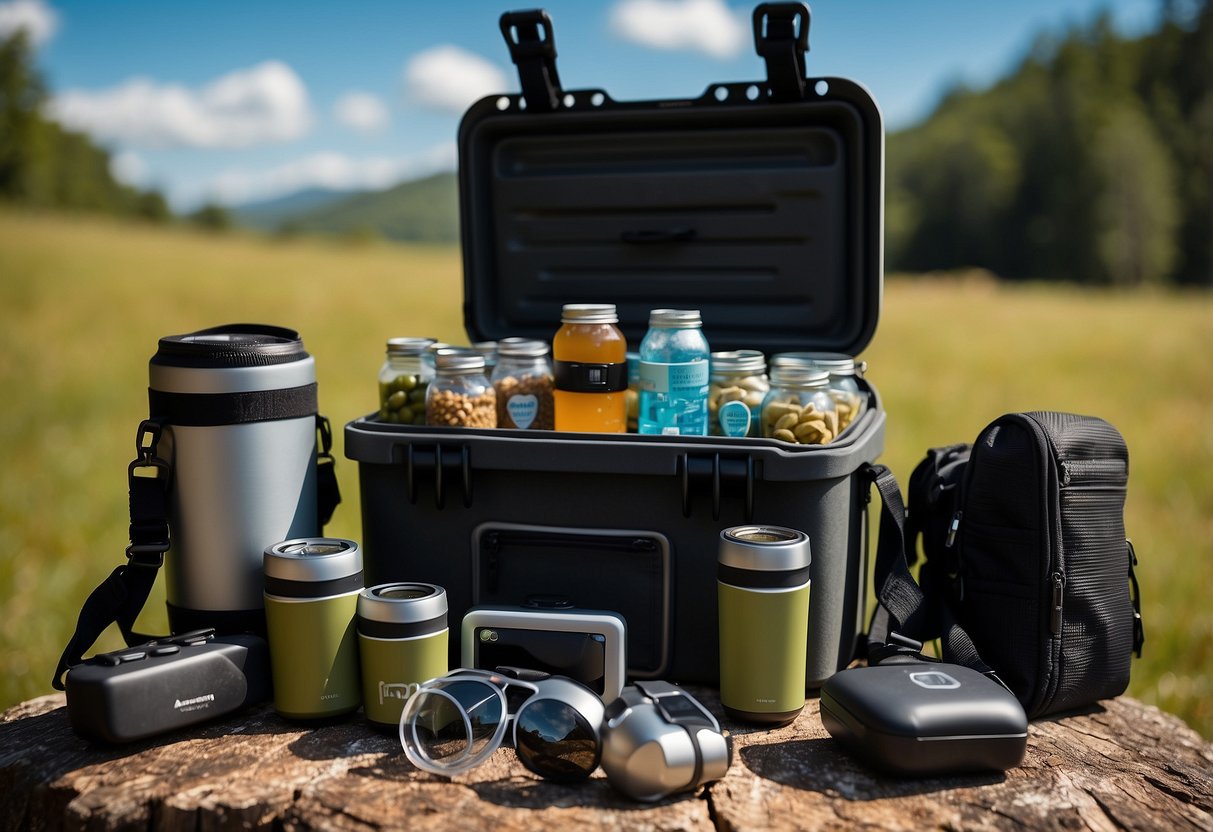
point(674, 374)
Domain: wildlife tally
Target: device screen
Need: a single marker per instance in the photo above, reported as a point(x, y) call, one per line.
point(580, 656)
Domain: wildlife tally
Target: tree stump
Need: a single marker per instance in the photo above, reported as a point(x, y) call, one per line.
point(1122, 765)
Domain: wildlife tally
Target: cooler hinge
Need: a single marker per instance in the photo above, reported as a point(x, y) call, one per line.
point(782, 44)
point(528, 34)
point(718, 477)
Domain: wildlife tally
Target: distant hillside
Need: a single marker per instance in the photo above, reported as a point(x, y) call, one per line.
point(270, 214)
point(424, 210)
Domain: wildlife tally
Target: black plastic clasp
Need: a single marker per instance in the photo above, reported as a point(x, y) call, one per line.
point(717, 477)
point(532, 44)
point(782, 44)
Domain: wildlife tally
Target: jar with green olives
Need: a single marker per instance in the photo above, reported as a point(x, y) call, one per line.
point(799, 407)
point(403, 380)
point(850, 400)
point(736, 389)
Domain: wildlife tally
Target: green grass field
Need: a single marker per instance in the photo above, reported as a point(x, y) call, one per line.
point(84, 301)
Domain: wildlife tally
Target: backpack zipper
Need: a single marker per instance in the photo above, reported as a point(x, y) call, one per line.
point(1059, 586)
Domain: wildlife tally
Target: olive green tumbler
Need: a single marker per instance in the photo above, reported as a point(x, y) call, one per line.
point(402, 642)
point(763, 595)
point(311, 596)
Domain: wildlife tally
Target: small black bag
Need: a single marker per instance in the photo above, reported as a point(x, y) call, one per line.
point(1024, 538)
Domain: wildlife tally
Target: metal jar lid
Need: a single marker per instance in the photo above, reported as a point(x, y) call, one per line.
point(675, 318)
point(798, 375)
point(835, 363)
point(734, 362)
point(402, 603)
point(764, 548)
point(589, 313)
point(522, 348)
point(313, 560)
point(408, 346)
point(455, 360)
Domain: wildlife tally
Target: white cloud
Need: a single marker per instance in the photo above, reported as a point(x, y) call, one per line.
point(333, 171)
point(450, 79)
point(129, 168)
point(262, 104)
point(706, 26)
point(362, 112)
point(34, 16)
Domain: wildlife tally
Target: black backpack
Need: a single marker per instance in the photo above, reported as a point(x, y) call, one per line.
point(1025, 547)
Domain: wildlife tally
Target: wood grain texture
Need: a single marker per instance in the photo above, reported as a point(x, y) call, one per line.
point(1120, 766)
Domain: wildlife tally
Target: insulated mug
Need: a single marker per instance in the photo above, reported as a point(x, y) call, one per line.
point(402, 642)
point(311, 598)
point(238, 406)
point(762, 581)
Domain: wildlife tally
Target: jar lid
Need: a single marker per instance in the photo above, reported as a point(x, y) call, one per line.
point(764, 548)
point(313, 559)
point(485, 348)
point(438, 345)
point(799, 374)
point(739, 361)
point(589, 313)
point(675, 318)
point(836, 363)
point(458, 360)
point(522, 348)
point(408, 346)
point(402, 603)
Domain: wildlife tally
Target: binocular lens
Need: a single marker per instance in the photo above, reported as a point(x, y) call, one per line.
point(554, 740)
point(449, 729)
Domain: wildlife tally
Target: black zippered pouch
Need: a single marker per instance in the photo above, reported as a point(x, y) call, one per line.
point(1024, 537)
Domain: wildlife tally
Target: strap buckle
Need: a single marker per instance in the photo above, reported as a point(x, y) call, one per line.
point(146, 555)
point(782, 45)
point(532, 44)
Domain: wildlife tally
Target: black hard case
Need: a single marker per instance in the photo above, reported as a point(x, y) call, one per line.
point(759, 204)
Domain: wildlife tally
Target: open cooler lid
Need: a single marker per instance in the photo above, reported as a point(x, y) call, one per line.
point(758, 203)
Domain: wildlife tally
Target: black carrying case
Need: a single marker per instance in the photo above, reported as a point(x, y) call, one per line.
point(758, 203)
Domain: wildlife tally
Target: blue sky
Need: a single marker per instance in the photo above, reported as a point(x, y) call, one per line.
point(237, 101)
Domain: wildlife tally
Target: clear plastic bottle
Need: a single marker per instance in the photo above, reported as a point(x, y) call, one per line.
point(460, 395)
point(523, 381)
point(403, 380)
point(850, 400)
point(738, 385)
point(799, 407)
point(674, 361)
point(589, 359)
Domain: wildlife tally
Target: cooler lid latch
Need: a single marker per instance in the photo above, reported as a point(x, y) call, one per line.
point(528, 34)
point(782, 44)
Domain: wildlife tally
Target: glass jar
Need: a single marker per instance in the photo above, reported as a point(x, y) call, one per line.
point(589, 362)
point(489, 350)
point(403, 380)
point(799, 407)
point(674, 357)
point(850, 399)
point(736, 389)
point(523, 382)
point(460, 395)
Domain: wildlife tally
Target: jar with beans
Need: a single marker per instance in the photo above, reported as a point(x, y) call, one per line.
point(403, 380)
point(460, 395)
point(799, 407)
point(523, 382)
point(850, 400)
point(735, 392)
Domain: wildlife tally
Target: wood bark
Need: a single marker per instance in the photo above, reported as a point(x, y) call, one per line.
point(1122, 765)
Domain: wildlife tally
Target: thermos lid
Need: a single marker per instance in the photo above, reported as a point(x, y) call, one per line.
point(402, 603)
point(313, 559)
point(231, 345)
point(764, 548)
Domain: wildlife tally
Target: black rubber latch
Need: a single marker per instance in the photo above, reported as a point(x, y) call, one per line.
point(532, 44)
point(782, 45)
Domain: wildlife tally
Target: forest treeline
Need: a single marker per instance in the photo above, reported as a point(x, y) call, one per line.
point(1092, 162)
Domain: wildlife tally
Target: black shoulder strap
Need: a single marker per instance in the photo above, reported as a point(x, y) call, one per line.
point(904, 617)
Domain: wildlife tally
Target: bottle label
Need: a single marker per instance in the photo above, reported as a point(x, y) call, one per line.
point(583, 377)
point(522, 409)
point(734, 418)
point(678, 381)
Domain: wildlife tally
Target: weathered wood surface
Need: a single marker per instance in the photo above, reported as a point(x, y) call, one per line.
point(1120, 766)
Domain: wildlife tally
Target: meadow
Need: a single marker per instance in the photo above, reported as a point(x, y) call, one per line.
point(83, 302)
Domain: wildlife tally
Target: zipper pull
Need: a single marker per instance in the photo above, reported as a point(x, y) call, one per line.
point(1059, 585)
point(952, 529)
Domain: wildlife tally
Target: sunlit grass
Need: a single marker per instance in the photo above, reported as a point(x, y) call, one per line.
point(84, 302)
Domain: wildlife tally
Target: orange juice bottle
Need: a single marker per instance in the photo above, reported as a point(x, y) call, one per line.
point(589, 362)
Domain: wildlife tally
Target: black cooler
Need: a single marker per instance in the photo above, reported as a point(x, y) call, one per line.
point(759, 204)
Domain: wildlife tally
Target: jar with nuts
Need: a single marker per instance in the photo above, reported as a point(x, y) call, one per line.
point(735, 392)
point(524, 386)
point(799, 408)
point(850, 400)
point(403, 380)
point(460, 395)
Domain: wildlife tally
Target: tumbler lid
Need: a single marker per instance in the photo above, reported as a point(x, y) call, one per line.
point(764, 548)
point(402, 603)
point(231, 345)
point(313, 559)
